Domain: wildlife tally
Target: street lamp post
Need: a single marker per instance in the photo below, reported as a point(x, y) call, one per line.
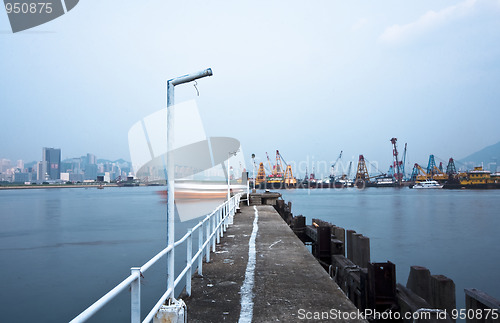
point(229, 154)
point(171, 166)
point(253, 170)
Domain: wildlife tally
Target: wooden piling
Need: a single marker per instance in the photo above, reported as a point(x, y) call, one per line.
point(348, 235)
point(360, 250)
point(419, 282)
point(477, 300)
point(443, 293)
point(338, 241)
point(323, 244)
point(299, 227)
point(381, 281)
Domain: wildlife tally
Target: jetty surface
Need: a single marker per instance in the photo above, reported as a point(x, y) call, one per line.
point(261, 272)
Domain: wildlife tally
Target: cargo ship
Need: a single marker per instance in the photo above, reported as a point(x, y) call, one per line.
point(478, 178)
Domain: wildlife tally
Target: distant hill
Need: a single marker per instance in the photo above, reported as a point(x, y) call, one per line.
point(486, 156)
point(120, 161)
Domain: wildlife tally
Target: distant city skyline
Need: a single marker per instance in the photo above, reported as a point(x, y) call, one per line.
point(51, 168)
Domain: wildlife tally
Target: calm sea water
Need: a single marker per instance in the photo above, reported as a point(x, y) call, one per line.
point(452, 232)
point(62, 249)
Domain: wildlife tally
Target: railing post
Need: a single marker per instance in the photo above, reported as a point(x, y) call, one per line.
point(219, 227)
point(200, 248)
point(225, 219)
point(222, 224)
point(189, 262)
point(135, 296)
point(207, 251)
point(230, 212)
point(213, 231)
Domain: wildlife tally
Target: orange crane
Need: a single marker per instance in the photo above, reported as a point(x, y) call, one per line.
point(362, 173)
point(362, 176)
point(419, 174)
point(261, 175)
point(289, 180)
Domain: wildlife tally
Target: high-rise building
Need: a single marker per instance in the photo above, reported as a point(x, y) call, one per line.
point(41, 171)
point(91, 160)
point(20, 164)
point(4, 165)
point(52, 157)
point(22, 177)
point(91, 172)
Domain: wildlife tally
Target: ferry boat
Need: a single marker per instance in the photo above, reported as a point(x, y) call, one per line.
point(187, 189)
point(428, 184)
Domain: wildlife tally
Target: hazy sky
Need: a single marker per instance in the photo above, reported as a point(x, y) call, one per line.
point(309, 78)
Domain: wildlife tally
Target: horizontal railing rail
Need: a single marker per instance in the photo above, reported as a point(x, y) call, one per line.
point(210, 230)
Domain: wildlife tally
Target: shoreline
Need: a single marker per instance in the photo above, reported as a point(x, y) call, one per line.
point(20, 187)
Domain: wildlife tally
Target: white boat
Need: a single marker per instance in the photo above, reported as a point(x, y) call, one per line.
point(428, 184)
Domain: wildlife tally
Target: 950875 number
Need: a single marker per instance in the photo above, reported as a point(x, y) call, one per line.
point(32, 7)
point(478, 314)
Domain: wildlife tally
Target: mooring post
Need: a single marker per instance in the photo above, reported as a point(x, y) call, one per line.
point(356, 252)
point(299, 226)
point(443, 293)
point(348, 235)
point(363, 251)
point(419, 282)
point(478, 300)
point(323, 248)
point(339, 242)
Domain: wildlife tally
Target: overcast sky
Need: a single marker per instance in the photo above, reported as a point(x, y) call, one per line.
point(309, 78)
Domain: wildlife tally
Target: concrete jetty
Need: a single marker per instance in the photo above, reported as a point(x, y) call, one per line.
point(261, 272)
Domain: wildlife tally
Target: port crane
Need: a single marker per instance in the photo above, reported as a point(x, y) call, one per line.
point(289, 180)
point(403, 164)
point(451, 169)
point(261, 175)
point(271, 168)
point(398, 175)
point(278, 169)
point(362, 176)
point(432, 171)
point(362, 173)
point(332, 175)
point(418, 174)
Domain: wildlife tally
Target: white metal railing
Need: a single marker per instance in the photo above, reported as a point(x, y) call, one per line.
point(210, 230)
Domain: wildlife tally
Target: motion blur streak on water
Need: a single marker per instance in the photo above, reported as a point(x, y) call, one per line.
point(451, 232)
